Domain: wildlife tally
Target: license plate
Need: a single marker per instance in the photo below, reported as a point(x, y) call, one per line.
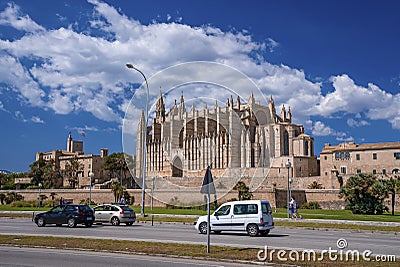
point(89, 218)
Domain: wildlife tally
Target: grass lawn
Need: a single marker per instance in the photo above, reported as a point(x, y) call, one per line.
point(158, 248)
point(281, 213)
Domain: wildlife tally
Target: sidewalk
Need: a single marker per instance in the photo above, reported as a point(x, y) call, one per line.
point(371, 223)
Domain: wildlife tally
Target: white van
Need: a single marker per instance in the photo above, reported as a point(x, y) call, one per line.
point(253, 216)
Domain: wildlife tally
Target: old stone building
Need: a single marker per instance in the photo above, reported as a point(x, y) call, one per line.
point(346, 159)
point(242, 138)
point(89, 162)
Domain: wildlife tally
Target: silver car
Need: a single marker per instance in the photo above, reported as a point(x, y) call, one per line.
point(114, 214)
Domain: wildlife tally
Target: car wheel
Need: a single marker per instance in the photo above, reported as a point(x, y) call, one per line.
point(129, 223)
point(203, 228)
point(114, 221)
point(71, 222)
point(265, 232)
point(252, 229)
point(88, 224)
point(41, 222)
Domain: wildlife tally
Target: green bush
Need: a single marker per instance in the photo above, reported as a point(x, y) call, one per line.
point(313, 205)
point(32, 204)
point(86, 202)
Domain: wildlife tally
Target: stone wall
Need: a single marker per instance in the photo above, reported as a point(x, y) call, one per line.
point(327, 198)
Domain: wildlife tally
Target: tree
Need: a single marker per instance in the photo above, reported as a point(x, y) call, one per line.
point(116, 164)
point(364, 194)
point(53, 195)
point(37, 171)
point(393, 187)
point(243, 191)
point(52, 176)
point(2, 198)
point(315, 185)
point(118, 190)
point(72, 169)
point(12, 196)
point(7, 180)
point(45, 172)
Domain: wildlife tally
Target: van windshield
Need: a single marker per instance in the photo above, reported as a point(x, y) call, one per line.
point(266, 208)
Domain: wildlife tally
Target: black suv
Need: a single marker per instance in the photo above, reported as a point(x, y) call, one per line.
point(70, 214)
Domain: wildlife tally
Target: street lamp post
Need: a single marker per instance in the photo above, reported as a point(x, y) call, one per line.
point(91, 175)
point(288, 165)
point(130, 66)
point(152, 192)
point(39, 198)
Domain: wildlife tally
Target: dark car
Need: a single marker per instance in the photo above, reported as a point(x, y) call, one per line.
point(70, 214)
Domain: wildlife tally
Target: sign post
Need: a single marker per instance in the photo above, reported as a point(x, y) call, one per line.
point(208, 188)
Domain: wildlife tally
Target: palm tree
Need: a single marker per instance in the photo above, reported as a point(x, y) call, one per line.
point(118, 190)
point(393, 187)
point(72, 169)
point(37, 171)
point(314, 185)
point(2, 198)
point(51, 175)
point(116, 164)
point(243, 191)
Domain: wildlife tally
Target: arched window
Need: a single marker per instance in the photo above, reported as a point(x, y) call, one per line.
point(285, 143)
point(306, 148)
point(177, 168)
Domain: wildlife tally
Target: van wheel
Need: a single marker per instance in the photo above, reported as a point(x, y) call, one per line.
point(264, 233)
point(203, 228)
point(252, 229)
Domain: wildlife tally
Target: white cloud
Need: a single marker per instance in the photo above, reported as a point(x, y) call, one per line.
point(319, 128)
point(357, 123)
point(2, 107)
point(272, 44)
point(19, 116)
point(76, 71)
point(36, 119)
point(11, 16)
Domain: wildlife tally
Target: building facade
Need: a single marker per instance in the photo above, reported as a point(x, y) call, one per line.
point(241, 135)
point(346, 159)
point(89, 162)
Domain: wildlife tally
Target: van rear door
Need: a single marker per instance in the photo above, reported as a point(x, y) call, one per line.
point(267, 213)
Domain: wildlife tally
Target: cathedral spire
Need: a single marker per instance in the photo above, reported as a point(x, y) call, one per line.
point(160, 109)
point(283, 113)
point(289, 115)
point(231, 102)
point(182, 108)
point(251, 99)
point(69, 142)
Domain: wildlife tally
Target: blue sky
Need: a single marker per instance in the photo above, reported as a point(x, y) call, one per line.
point(62, 65)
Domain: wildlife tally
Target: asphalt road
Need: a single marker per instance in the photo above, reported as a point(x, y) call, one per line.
point(378, 243)
point(39, 257)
